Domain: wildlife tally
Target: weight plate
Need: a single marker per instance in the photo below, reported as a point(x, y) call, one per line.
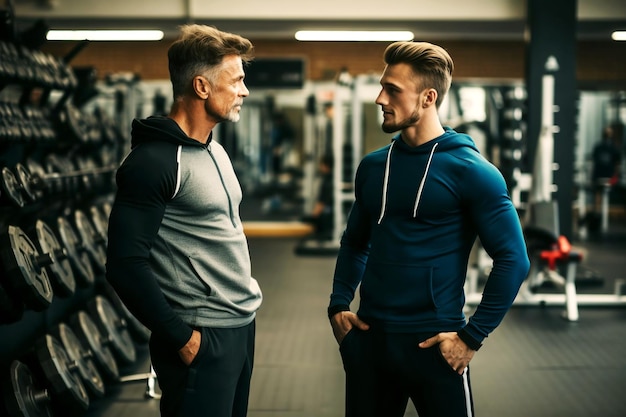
point(88, 332)
point(38, 174)
point(22, 396)
point(11, 188)
point(88, 166)
point(77, 253)
point(76, 123)
point(62, 374)
point(91, 240)
point(83, 358)
point(138, 330)
point(63, 280)
point(100, 223)
point(26, 183)
point(23, 268)
point(113, 327)
point(106, 208)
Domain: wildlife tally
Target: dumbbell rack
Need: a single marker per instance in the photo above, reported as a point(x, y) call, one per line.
point(63, 331)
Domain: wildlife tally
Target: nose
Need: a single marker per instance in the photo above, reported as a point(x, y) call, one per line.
point(244, 90)
point(381, 99)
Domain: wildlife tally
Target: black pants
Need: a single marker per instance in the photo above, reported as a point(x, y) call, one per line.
point(384, 370)
point(216, 383)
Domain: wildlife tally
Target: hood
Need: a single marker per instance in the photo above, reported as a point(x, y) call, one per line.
point(160, 129)
point(448, 141)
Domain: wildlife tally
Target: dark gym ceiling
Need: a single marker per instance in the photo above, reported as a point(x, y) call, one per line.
point(278, 19)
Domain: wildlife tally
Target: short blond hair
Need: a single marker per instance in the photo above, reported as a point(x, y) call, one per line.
point(430, 61)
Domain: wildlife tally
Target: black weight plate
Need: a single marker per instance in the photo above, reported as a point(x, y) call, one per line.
point(113, 327)
point(62, 374)
point(22, 396)
point(138, 330)
point(106, 208)
point(88, 332)
point(77, 253)
point(38, 174)
point(83, 358)
point(26, 183)
point(100, 223)
point(76, 123)
point(11, 188)
point(89, 167)
point(25, 275)
point(63, 280)
point(91, 239)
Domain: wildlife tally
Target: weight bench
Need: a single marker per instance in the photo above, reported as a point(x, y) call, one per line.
point(546, 266)
point(552, 260)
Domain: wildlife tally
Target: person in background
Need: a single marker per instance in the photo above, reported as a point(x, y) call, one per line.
point(321, 216)
point(606, 160)
point(420, 203)
point(177, 254)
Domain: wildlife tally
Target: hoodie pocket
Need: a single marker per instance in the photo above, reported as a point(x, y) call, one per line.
point(398, 288)
point(196, 268)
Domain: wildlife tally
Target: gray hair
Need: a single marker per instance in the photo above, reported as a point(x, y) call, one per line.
point(199, 51)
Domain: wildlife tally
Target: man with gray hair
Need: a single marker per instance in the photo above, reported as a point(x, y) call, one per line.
point(177, 254)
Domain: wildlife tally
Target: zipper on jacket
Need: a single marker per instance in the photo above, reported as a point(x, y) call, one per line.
point(219, 172)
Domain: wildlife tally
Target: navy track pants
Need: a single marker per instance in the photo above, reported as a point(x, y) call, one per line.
point(216, 383)
point(385, 370)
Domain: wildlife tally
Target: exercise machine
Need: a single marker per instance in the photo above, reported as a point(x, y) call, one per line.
point(554, 261)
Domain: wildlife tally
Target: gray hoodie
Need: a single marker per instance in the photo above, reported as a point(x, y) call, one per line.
point(177, 253)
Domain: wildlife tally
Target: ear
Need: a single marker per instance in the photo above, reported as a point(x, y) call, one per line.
point(430, 97)
point(202, 87)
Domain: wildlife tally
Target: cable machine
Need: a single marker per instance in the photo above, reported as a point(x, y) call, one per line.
point(346, 135)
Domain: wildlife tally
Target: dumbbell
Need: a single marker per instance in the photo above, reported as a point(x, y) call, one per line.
point(20, 186)
point(61, 177)
point(114, 328)
point(62, 274)
point(100, 221)
point(84, 359)
point(24, 276)
point(77, 253)
point(140, 333)
point(45, 382)
point(23, 394)
point(100, 328)
point(90, 336)
point(94, 243)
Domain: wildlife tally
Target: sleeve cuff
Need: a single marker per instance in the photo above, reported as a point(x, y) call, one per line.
point(332, 310)
point(469, 339)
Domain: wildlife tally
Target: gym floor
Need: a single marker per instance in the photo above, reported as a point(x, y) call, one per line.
point(535, 364)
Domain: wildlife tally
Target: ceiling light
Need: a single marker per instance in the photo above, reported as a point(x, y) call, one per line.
point(619, 35)
point(104, 35)
point(353, 35)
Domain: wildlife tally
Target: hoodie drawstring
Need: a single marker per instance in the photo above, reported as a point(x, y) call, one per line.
point(419, 190)
point(386, 182)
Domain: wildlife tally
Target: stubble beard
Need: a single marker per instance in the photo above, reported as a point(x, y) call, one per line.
point(406, 123)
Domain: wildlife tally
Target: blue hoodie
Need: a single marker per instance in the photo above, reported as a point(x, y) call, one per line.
point(417, 213)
